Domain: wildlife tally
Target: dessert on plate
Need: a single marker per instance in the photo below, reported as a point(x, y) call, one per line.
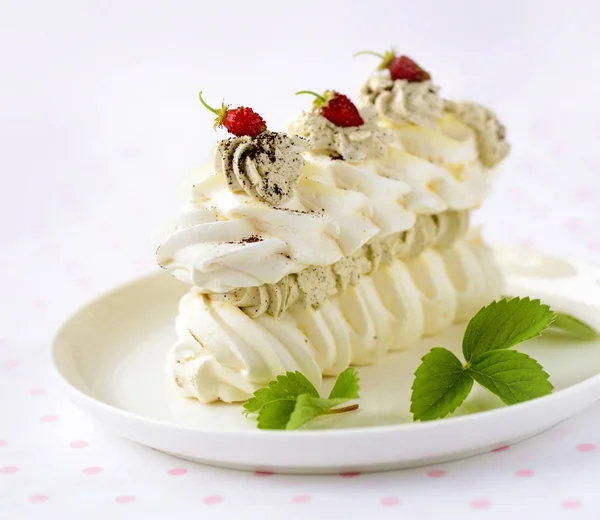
point(333, 243)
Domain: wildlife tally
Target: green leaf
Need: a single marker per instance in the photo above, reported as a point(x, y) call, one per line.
point(292, 400)
point(346, 385)
point(261, 397)
point(513, 376)
point(574, 327)
point(307, 408)
point(289, 386)
point(275, 415)
point(440, 386)
point(505, 323)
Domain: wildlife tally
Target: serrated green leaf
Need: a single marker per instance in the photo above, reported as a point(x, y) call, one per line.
point(292, 400)
point(261, 397)
point(574, 327)
point(289, 386)
point(292, 385)
point(309, 407)
point(275, 415)
point(440, 386)
point(346, 385)
point(504, 324)
point(513, 376)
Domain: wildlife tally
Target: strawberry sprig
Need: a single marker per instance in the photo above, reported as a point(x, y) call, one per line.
point(238, 121)
point(336, 108)
point(400, 67)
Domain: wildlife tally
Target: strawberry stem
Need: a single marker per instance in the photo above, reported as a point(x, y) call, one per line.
point(345, 409)
point(386, 57)
point(318, 96)
point(213, 110)
point(373, 53)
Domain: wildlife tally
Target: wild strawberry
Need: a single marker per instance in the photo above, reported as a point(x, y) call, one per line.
point(238, 121)
point(400, 67)
point(336, 108)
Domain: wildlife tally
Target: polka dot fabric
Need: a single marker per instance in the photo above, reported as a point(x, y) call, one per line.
point(96, 150)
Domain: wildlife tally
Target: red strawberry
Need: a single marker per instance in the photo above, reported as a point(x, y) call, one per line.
point(400, 67)
point(336, 108)
point(403, 67)
point(238, 121)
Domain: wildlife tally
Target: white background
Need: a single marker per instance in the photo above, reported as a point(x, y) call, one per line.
point(99, 123)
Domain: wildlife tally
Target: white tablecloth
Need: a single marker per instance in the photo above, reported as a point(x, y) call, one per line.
point(99, 124)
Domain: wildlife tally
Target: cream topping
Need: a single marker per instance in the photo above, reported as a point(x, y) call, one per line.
point(312, 286)
point(355, 143)
point(266, 167)
point(225, 240)
point(402, 101)
point(491, 134)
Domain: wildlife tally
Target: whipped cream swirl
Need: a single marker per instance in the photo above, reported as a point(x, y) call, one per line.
point(354, 143)
point(312, 286)
point(266, 167)
point(402, 101)
point(491, 134)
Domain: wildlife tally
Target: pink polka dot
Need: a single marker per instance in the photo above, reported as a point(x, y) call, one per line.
point(3, 442)
point(38, 305)
point(525, 473)
point(8, 470)
point(528, 164)
point(49, 418)
point(82, 282)
point(574, 224)
point(10, 363)
point(92, 470)
point(536, 211)
point(124, 499)
point(501, 448)
point(176, 472)
point(70, 266)
point(570, 504)
point(541, 129)
point(584, 194)
point(301, 499)
point(114, 245)
point(38, 499)
point(263, 473)
point(525, 242)
point(480, 504)
point(437, 473)
point(350, 474)
point(140, 264)
point(77, 445)
point(518, 194)
point(585, 447)
point(37, 391)
point(390, 501)
point(212, 500)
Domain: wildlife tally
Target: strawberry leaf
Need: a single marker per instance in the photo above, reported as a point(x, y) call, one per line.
point(505, 323)
point(440, 386)
point(513, 376)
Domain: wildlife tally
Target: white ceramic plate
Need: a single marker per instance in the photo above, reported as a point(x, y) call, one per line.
point(110, 356)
